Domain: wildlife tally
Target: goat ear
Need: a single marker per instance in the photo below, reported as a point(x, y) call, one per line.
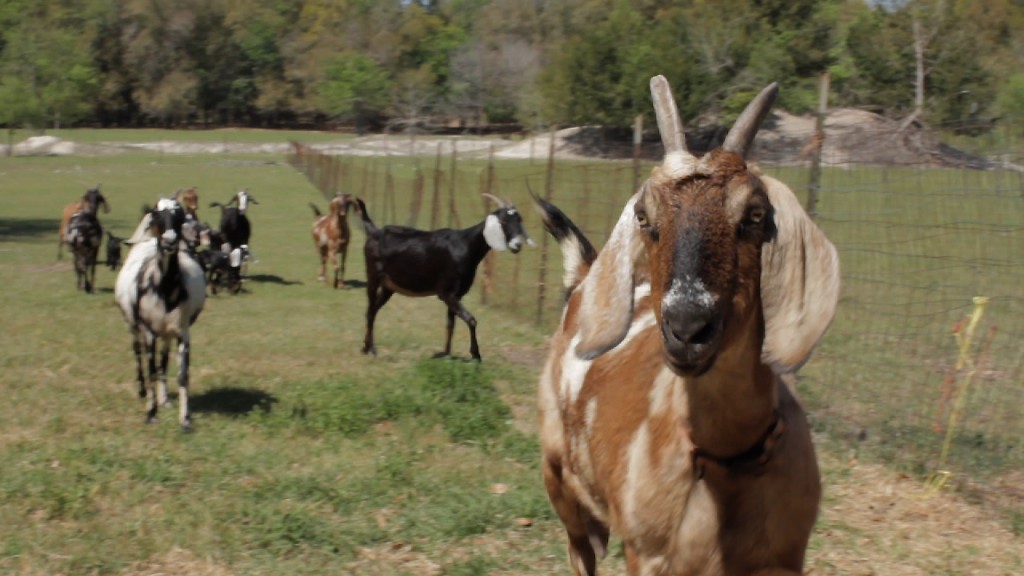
point(142, 231)
point(799, 283)
point(607, 290)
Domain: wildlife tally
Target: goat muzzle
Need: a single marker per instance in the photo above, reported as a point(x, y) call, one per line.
point(169, 241)
point(691, 334)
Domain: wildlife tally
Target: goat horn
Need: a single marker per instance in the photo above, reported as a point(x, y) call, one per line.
point(742, 133)
point(670, 125)
point(501, 203)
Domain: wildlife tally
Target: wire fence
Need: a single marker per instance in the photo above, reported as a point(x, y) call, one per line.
point(924, 364)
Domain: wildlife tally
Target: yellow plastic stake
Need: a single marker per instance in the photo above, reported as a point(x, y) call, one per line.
point(964, 340)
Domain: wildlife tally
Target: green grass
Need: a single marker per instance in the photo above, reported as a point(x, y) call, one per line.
point(307, 454)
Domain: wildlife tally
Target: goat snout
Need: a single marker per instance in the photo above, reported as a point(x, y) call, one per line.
point(168, 240)
point(690, 331)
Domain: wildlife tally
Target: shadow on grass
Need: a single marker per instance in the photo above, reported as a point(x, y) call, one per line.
point(271, 279)
point(12, 229)
point(232, 401)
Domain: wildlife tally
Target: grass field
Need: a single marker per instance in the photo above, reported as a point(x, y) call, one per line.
point(309, 458)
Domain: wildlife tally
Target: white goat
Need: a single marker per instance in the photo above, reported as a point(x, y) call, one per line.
point(664, 417)
point(161, 290)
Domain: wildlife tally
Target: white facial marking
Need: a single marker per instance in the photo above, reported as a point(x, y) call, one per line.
point(493, 234)
point(243, 201)
point(688, 289)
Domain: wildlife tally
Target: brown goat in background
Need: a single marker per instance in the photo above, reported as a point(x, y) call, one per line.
point(331, 235)
point(666, 405)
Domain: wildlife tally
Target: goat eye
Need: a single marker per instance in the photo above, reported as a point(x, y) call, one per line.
point(641, 219)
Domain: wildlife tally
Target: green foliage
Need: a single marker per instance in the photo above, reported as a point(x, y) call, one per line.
point(1010, 101)
point(354, 88)
point(413, 63)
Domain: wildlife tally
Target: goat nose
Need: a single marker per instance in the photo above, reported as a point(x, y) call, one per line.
point(169, 237)
point(691, 325)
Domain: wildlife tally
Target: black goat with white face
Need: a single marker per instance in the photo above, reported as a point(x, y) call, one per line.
point(234, 224)
point(440, 262)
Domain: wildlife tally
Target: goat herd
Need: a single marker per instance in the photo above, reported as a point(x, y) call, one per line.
point(667, 405)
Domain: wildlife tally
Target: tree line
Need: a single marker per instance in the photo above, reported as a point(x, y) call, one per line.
point(399, 64)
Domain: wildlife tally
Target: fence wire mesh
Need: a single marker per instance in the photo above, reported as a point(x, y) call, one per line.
point(897, 376)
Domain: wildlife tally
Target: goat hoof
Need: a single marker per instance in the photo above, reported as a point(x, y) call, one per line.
point(440, 355)
point(186, 428)
point(150, 419)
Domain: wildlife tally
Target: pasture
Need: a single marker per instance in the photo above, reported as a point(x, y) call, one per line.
point(310, 458)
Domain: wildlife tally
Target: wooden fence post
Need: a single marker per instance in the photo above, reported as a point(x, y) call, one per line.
point(487, 187)
point(814, 183)
point(548, 192)
point(435, 208)
point(453, 212)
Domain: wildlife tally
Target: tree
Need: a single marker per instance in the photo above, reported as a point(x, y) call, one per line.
point(354, 89)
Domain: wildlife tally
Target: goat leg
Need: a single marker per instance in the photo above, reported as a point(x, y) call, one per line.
point(456, 305)
point(184, 351)
point(140, 377)
point(151, 401)
point(165, 351)
point(448, 339)
point(378, 298)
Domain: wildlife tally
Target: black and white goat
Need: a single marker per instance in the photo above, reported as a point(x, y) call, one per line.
point(161, 290)
point(438, 263)
point(84, 235)
point(234, 224)
point(236, 230)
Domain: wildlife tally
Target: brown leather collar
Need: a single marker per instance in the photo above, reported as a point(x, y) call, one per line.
point(750, 461)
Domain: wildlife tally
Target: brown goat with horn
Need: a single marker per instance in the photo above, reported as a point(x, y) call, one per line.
point(331, 235)
point(667, 407)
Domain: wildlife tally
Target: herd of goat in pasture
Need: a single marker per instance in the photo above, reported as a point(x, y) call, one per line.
point(667, 407)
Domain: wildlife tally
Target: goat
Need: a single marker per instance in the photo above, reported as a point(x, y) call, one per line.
point(189, 200)
point(667, 412)
point(236, 229)
point(438, 263)
point(91, 200)
point(113, 251)
point(331, 235)
point(84, 235)
point(161, 290)
point(234, 223)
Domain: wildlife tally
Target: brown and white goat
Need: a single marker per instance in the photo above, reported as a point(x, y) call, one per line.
point(331, 234)
point(667, 410)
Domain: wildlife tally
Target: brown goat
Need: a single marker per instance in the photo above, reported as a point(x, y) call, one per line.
point(189, 200)
point(667, 410)
point(92, 199)
point(331, 234)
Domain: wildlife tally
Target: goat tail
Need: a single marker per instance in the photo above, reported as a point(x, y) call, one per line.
point(578, 254)
point(316, 211)
point(368, 225)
